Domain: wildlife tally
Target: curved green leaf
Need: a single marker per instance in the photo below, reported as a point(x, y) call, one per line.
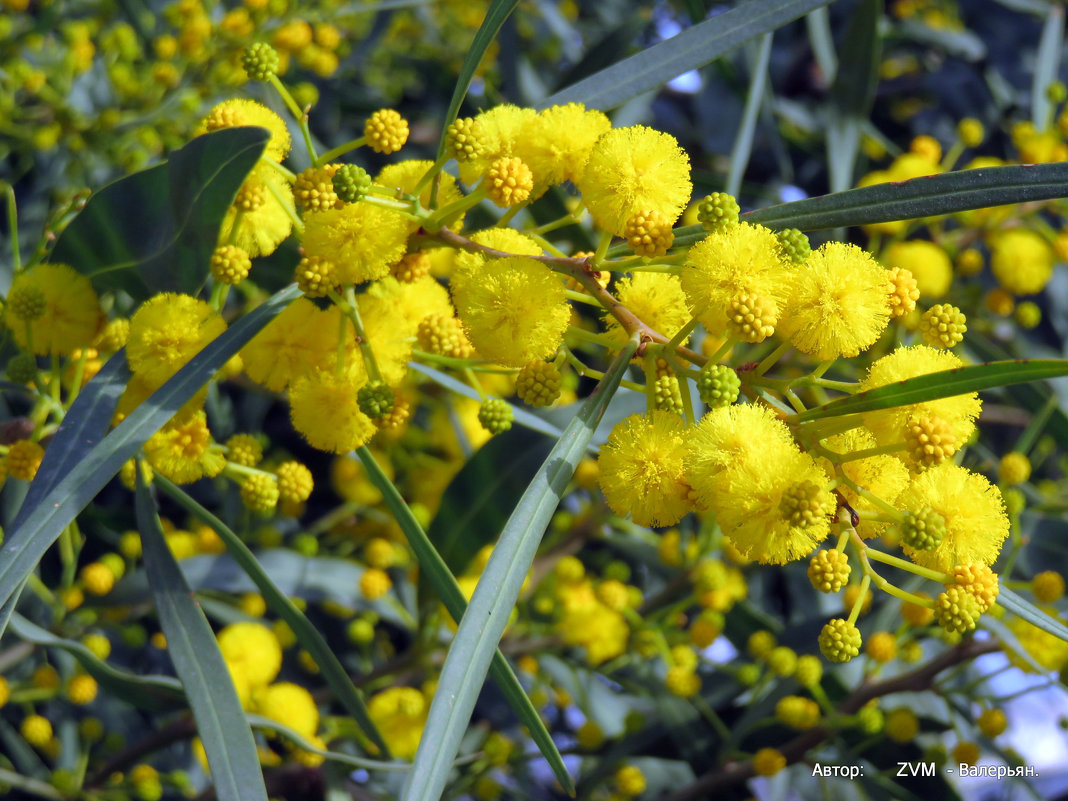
point(497, 13)
point(943, 384)
point(260, 722)
point(157, 693)
point(25, 545)
point(444, 583)
point(1031, 613)
point(853, 91)
point(191, 644)
point(743, 141)
point(476, 503)
point(154, 231)
point(1047, 66)
point(928, 196)
point(487, 614)
point(308, 636)
point(84, 425)
point(692, 48)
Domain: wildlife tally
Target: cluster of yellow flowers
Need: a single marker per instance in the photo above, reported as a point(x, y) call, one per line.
point(439, 264)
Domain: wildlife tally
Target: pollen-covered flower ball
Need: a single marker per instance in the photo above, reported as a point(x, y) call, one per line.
point(642, 469)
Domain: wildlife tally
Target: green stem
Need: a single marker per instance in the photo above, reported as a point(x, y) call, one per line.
point(771, 358)
point(910, 567)
point(340, 150)
point(430, 175)
point(582, 297)
point(447, 214)
point(13, 228)
point(298, 115)
point(290, 210)
point(602, 248)
point(723, 349)
point(31, 786)
point(288, 174)
point(854, 613)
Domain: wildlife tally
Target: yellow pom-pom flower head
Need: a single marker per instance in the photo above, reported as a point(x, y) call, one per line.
point(1021, 260)
point(738, 260)
point(656, 298)
point(238, 112)
point(361, 239)
point(67, 311)
point(166, 332)
point(631, 170)
point(839, 303)
point(891, 425)
point(514, 312)
point(768, 496)
point(252, 650)
point(975, 521)
point(642, 469)
point(324, 408)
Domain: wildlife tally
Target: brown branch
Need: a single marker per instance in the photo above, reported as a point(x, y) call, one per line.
point(715, 781)
point(178, 730)
point(581, 269)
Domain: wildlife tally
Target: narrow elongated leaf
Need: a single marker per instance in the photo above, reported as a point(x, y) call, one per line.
point(487, 614)
point(743, 142)
point(158, 693)
point(943, 384)
point(1032, 614)
point(259, 722)
point(24, 546)
point(917, 197)
point(497, 13)
point(853, 92)
point(1047, 66)
point(476, 503)
point(84, 425)
point(692, 48)
point(221, 723)
point(154, 231)
point(444, 583)
point(308, 636)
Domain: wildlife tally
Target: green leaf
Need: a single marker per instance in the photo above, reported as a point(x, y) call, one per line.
point(260, 722)
point(1031, 613)
point(191, 644)
point(84, 425)
point(444, 583)
point(25, 545)
point(917, 197)
point(309, 637)
point(1033, 397)
point(853, 92)
point(154, 231)
point(1047, 66)
point(943, 384)
point(475, 505)
point(743, 141)
point(480, 629)
point(157, 693)
point(497, 13)
point(692, 48)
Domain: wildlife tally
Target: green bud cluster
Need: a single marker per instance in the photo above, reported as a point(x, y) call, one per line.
point(22, 369)
point(375, 399)
point(538, 383)
point(718, 212)
point(718, 385)
point(495, 415)
point(840, 640)
point(923, 530)
point(351, 182)
point(794, 245)
point(667, 394)
point(260, 61)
